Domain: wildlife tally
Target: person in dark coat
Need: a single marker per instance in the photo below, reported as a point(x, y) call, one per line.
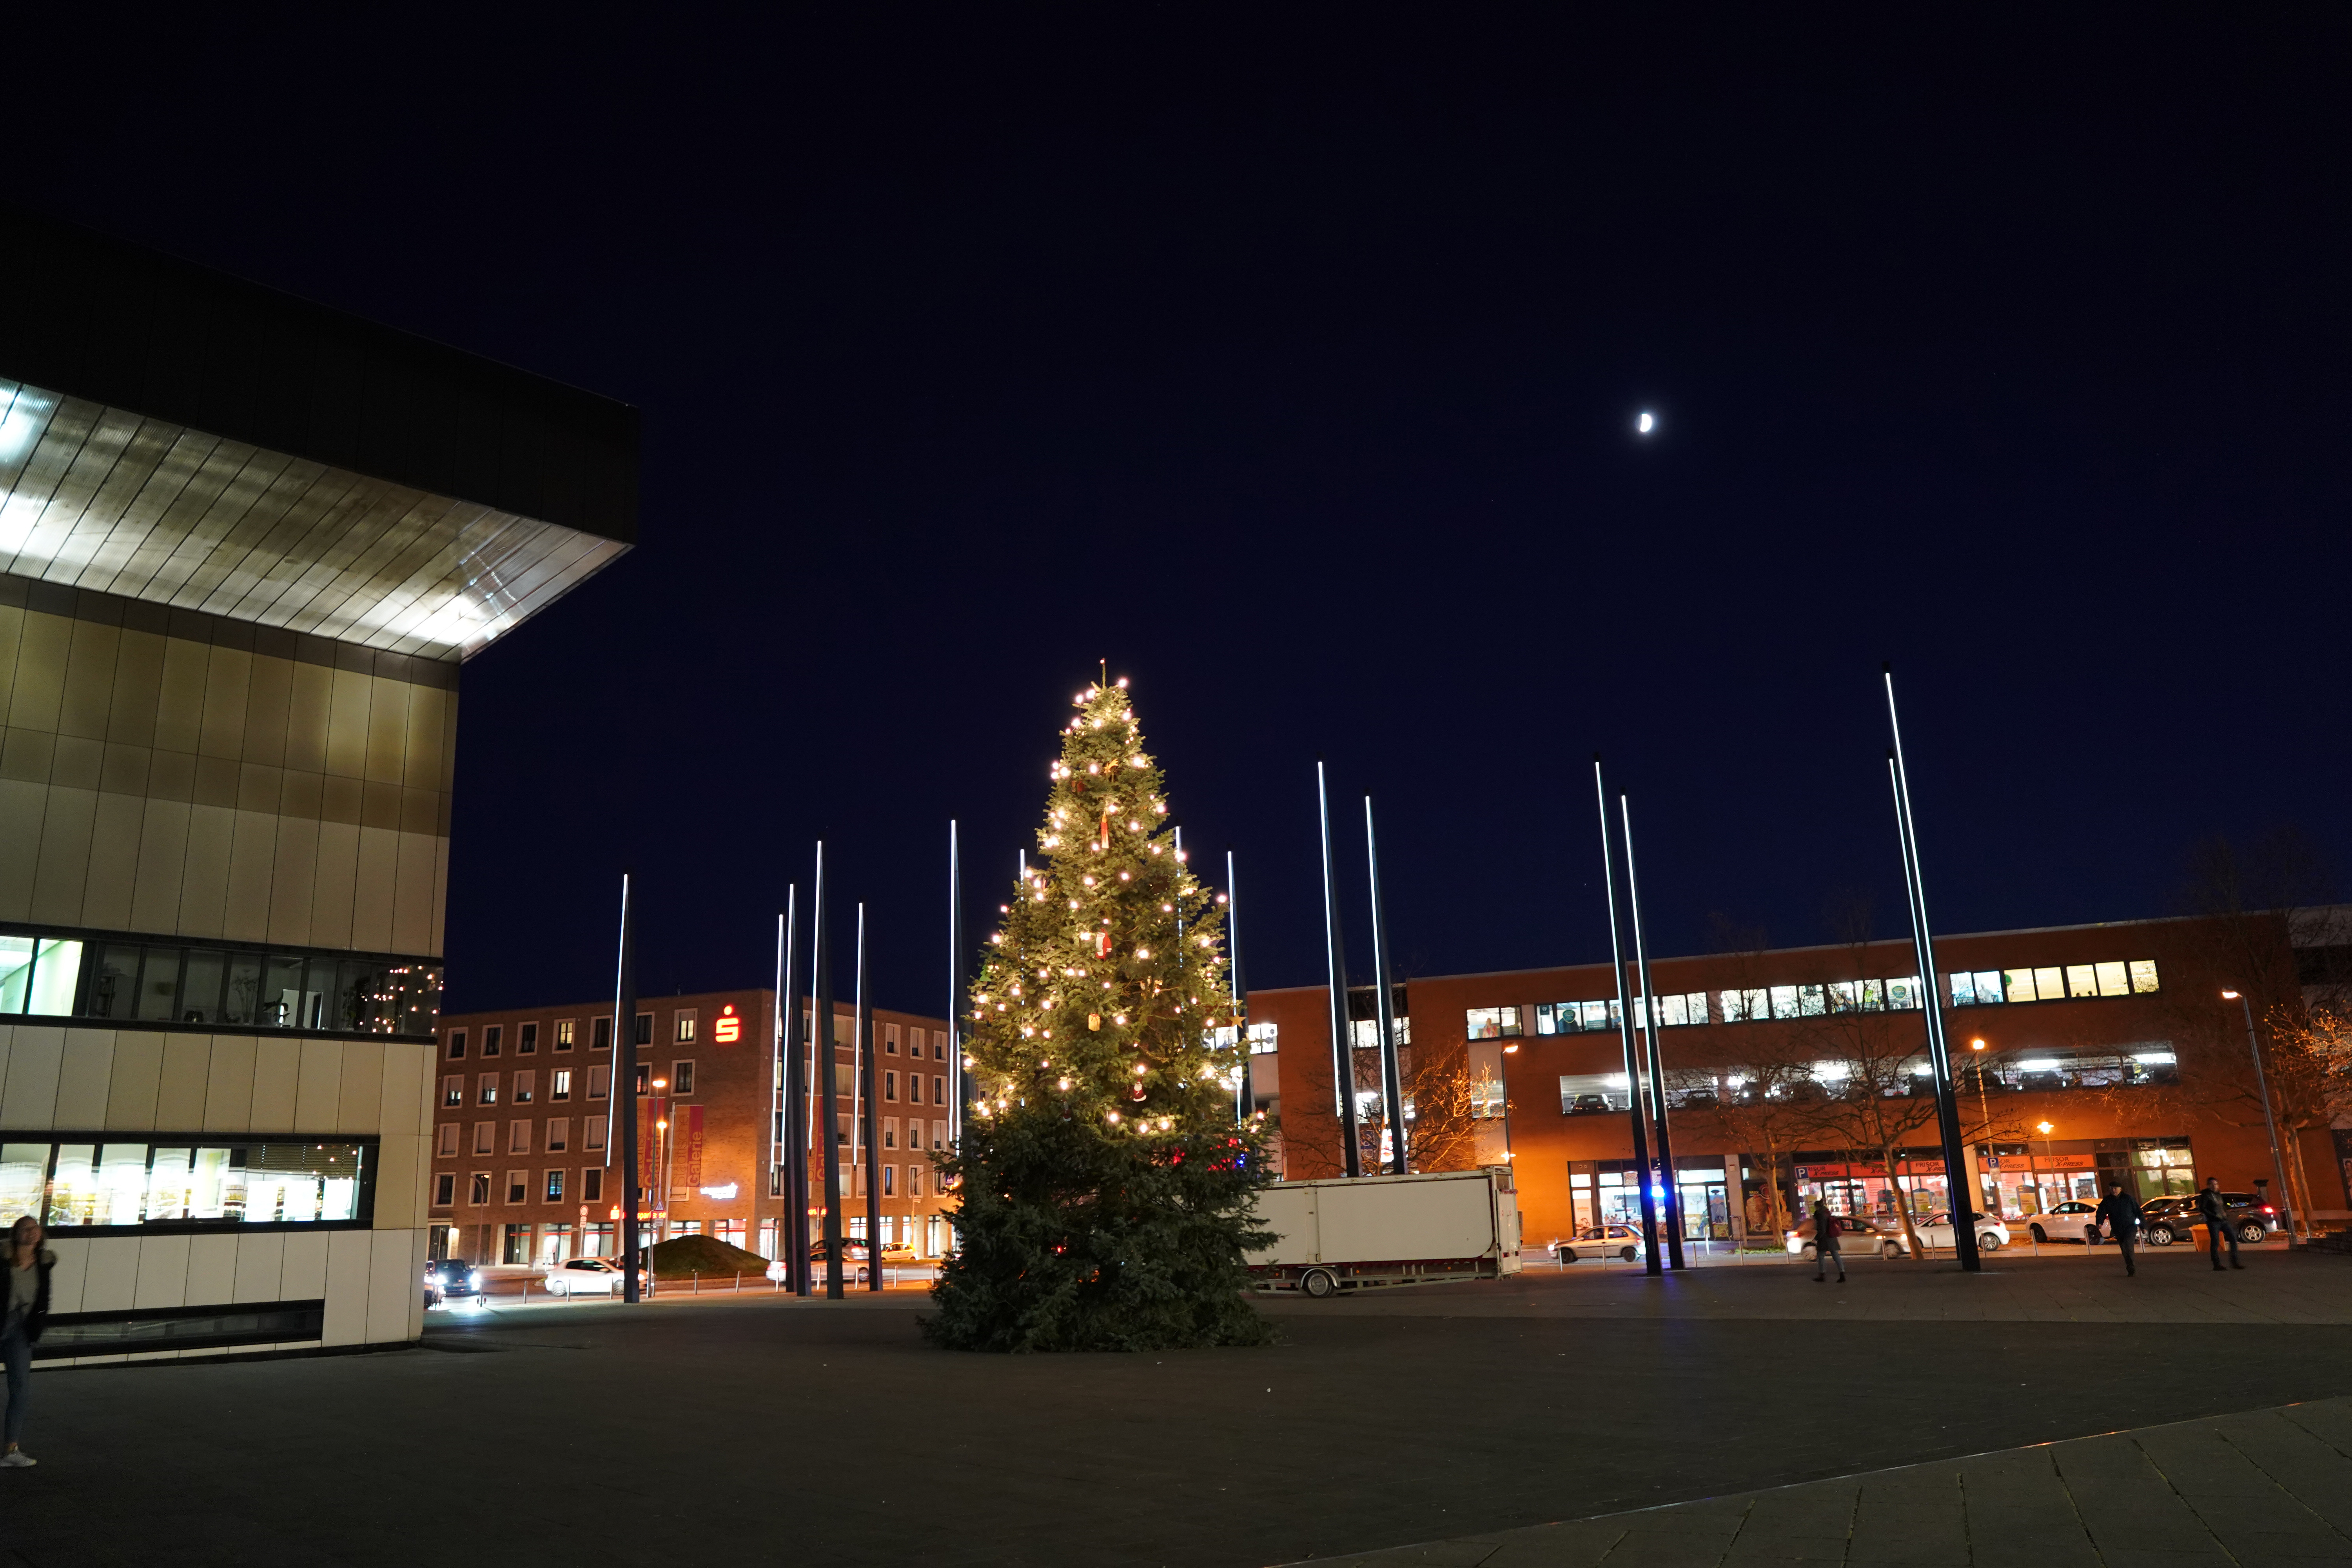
point(2120, 1211)
point(2218, 1229)
point(27, 1313)
point(1825, 1243)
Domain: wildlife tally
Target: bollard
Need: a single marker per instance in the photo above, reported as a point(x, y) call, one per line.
point(696, 1290)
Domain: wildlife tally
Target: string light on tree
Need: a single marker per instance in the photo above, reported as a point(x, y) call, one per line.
point(1103, 1205)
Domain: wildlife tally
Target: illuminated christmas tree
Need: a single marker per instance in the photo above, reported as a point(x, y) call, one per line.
point(1104, 1188)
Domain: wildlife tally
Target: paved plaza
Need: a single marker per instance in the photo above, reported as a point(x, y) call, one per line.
point(1485, 1420)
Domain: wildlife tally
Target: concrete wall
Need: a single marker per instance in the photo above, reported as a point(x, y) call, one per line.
point(130, 1081)
point(157, 776)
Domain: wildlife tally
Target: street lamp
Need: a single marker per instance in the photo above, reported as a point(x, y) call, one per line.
point(2262, 1086)
point(2048, 1158)
point(1984, 1115)
point(661, 1174)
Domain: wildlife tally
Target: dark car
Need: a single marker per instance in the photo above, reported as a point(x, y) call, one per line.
point(1588, 1104)
point(2167, 1220)
point(451, 1278)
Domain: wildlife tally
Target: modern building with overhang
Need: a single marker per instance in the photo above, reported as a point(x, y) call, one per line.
point(247, 544)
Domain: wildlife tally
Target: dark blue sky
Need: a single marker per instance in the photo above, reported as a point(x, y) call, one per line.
point(1290, 365)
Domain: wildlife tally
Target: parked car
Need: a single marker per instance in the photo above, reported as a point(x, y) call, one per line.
point(1589, 1105)
point(1992, 1234)
point(1599, 1241)
point(1856, 1234)
point(2168, 1220)
point(452, 1278)
point(853, 1260)
point(586, 1277)
point(2073, 1220)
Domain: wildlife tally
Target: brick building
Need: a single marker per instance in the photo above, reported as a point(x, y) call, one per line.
point(2088, 1053)
point(522, 1150)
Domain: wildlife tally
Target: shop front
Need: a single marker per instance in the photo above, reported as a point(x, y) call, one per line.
point(2025, 1179)
point(1865, 1189)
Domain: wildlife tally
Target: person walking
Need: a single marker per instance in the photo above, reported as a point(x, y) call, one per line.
point(2120, 1211)
point(1825, 1243)
point(2218, 1229)
point(29, 1313)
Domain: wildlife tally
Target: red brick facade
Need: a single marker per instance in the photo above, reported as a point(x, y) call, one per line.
point(2125, 1051)
point(522, 1105)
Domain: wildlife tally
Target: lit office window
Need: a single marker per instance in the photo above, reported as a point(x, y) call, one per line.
point(566, 1033)
point(488, 1092)
point(1784, 1001)
point(2082, 980)
point(90, 1187)
point(2050, 983)
point(2143, 974)
point(1493, 1023)
point(2017, 984)
point(2114, 979)
point(1811, 1001)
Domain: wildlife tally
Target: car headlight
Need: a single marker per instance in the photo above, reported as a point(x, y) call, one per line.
point(476, 1281)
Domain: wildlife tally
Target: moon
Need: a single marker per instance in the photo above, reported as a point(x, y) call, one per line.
point(1646, 423)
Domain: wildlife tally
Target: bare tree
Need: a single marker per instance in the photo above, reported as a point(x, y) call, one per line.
point(1446, 1098)
point(2260, 903)
point(1868, 1061)
point(1758, 1101)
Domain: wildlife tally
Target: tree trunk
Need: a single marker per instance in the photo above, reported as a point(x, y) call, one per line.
point(2305, 1225)
point(1903, 1197)
point(1779, 1210)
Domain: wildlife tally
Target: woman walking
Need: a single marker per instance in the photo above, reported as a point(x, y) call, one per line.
point(29, 1312)
point(1826, 1242)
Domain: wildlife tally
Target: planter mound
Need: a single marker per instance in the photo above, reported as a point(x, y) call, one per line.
point(684, 1256)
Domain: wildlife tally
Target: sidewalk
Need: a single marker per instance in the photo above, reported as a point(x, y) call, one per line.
point(2174, 1286)
point(2269, 1487)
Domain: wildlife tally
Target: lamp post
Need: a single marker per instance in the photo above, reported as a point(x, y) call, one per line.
point(1984, 1116)
point(2262, 1087)
point(2045, 1128)
point(661, 1168)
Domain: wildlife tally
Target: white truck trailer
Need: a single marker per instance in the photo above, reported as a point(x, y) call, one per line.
point(1374, 1231)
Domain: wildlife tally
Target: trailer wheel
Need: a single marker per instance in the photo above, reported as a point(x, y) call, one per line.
point(1319, 1283)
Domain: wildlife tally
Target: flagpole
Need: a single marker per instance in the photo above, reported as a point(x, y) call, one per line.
point(866, 1129)
point(1245, 1098)
point(1343, 1052)
point(1962, 1202)
point(777, 1082)
point(1391, 1084)
point(624, 1094)
point(1625, 1042)
point(1649, 1008)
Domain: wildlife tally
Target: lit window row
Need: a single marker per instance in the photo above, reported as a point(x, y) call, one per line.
point(56, 975)
point(2055, 983)
point(81, 1186)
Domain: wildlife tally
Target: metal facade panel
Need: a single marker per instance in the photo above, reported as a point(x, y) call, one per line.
point(101, 498)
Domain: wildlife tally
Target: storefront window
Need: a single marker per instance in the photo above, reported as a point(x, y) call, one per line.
point(171, 1187)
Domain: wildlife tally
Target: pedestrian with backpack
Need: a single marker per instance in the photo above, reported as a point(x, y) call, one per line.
point(1826, 1242)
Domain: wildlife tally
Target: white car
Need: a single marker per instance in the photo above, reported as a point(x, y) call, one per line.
point(585, 1277)
point(1856, 1236)
point(1600, 1241)
point(2071, 1220)
point(1992, 1234)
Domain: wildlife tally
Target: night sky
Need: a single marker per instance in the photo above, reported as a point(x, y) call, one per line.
point(1291, 365)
